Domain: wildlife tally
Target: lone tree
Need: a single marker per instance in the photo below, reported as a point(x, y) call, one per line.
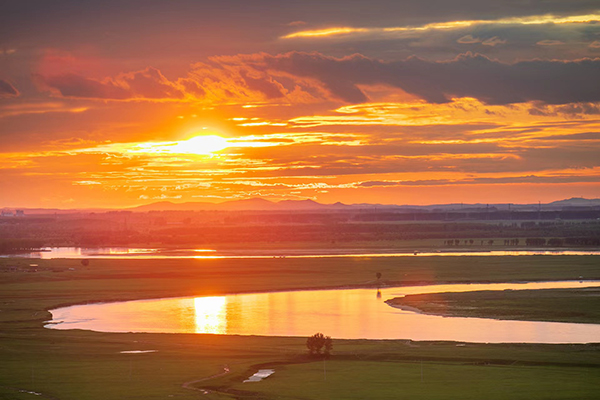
point(318, 343)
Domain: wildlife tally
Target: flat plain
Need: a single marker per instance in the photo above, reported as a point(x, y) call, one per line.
point(84, 365)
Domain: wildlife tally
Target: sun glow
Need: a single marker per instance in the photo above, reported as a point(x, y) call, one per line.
point(201, 145)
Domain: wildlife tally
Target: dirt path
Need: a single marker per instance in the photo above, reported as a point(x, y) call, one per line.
point(190, 384)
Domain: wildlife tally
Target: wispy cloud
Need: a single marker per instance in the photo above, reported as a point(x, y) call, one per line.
point(535, 179)
point(550, 42)
point(444, 26)
point(595, 44)
point(11, 110)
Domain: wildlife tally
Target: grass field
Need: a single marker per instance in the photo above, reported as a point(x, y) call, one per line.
point(403, 380)
point(559, 305)
point(82, 365)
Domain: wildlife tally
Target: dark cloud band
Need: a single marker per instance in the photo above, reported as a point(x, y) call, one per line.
point(7, 90)
point(469, 75)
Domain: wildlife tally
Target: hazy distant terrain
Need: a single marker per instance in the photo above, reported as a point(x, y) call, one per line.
point(568, 223)
point(260, 204)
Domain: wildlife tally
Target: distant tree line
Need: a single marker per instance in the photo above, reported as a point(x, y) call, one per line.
point(19, 245)
point(535, 242)
point(538, 241)
point(559, 242)
point(583, 241)
point(198, 229)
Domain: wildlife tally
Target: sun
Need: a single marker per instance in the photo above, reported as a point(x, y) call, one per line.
point(200, 145)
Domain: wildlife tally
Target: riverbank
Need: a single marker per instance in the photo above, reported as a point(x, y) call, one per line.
point(61, 282)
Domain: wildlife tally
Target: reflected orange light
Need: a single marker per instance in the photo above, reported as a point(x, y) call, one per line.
point(210, 314)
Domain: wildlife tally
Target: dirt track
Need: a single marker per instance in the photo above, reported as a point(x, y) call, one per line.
point(190, 384)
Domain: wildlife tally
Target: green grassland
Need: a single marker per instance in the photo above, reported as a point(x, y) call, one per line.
point(559, 305)
point(83, 365)
point(402, 380)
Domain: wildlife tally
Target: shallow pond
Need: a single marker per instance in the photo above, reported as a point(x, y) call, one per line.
point(347, 314)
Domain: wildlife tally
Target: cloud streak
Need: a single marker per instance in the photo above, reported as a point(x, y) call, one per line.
point(7, 90)
point(539, 179)
point(445, 26)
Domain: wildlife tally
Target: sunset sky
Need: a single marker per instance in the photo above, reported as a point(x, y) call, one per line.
point(121, 103)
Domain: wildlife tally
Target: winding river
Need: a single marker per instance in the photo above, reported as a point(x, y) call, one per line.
point(344, 313)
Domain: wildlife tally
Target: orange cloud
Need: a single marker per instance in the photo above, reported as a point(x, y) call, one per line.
point(299, 78)
point(223, 80)
point(145, 84)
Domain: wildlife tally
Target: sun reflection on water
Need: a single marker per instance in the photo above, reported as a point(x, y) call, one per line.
point(211, 314)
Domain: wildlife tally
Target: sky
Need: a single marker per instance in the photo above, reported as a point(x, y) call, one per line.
point(122, 103)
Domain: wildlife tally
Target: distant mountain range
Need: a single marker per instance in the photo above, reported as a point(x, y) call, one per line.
point(254, 204)
point(258, 204)
point(577, 202)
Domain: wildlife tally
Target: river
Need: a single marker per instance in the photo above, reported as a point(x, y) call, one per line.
point(156, 253)
point(344, 313)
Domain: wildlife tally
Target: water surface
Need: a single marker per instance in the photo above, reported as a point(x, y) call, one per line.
point(155, 253)
point(348, 314)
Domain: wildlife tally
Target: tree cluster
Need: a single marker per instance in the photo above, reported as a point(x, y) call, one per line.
point(319, 344)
